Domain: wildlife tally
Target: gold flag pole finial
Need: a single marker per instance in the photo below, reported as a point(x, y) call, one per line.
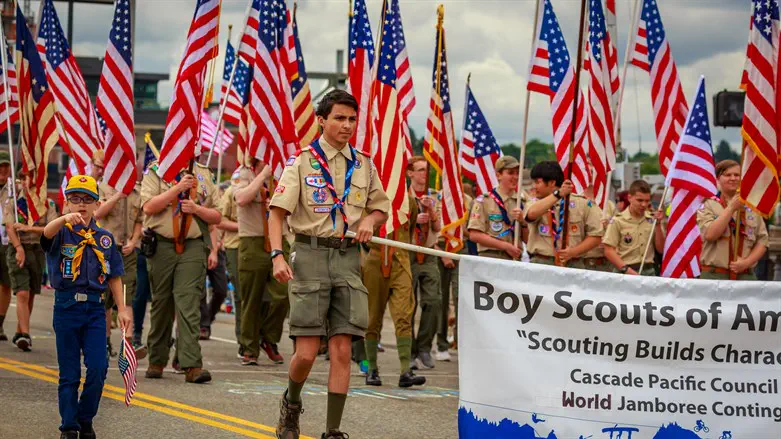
point(440, 15)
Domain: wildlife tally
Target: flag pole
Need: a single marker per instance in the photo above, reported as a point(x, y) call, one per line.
point(522, 158)
point(440, 19)
point(578, 68)
point(4, 55)
point(220, 122)
point(653, 228)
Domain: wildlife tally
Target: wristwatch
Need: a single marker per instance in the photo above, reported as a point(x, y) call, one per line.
point(275, 253)
point(623, 269)
point(557, 194)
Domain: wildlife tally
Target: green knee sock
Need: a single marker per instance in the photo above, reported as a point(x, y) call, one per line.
point(371, 353)
point(294, 391)
point(404, 346)
point(2, 320)
point(335, 409)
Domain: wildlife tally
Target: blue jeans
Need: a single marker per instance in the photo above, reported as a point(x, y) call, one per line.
point(80, 327)
point(143, 294)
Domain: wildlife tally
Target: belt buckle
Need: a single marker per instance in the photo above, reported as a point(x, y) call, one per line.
point(334, 242)
point(80, 297)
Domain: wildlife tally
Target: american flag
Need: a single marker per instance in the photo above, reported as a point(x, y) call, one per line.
point(359, 72)
point(36, 119)
point(75, 112)
point(303, 109)
point(602, 65)
point(10, 100)
point(151, 153)
point(183, 121)
point(442, 151)
point(249, 37)
point(692, 178)
point(652, 53)
point(270, 125)
point(479, 149)
point(115, 101)
point(405, 90)
point(127, 363)
point(238, 90)
point(551, 73)
point(759, 185)
point(390, 159)
point(208, 131)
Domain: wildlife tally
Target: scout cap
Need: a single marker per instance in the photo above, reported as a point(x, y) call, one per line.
point(5, 158)
point(506, 162)
point(84, 184)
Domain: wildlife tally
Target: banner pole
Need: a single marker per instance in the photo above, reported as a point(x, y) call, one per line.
point(4, 55)
point(409, 247)
point(653, 228)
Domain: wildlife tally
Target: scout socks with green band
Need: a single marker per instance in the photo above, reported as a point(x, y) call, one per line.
point(294, 391)
point(371, 353)
point(334, 411)
point(404, 346)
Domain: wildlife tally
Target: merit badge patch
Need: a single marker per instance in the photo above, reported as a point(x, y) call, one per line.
point(574, 228)
point(571, 204)
point(496, 226)
point(358, 163)
point(314, 164)
point(101, 279)
point(495, 217)
point(322, 209)
point(200, 177)
point(105, 241)
point(67, 268)
point(290, 161)
point(628, 238)
point(544, 230)
point(68, 251)
point(279, 189)
point(315, 181)
point(320, 195)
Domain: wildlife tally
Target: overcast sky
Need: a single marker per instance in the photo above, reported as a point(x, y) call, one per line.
point(489, 38)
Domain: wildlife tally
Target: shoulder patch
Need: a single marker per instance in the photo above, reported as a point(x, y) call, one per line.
point(479, 198)
point(105, 241)
point(290, 161)
point(589, 203)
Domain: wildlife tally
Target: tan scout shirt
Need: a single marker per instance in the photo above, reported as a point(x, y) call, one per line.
point(250, 217)
point(486, 217)
point(431, 237)
point(162, 223)
point(585, 219)
point(302, 192)
point(607, 214)
point(229, 210)
point(121, 220)
point(630, 235)
point(6, 205)
point(716, 253)
point(29, 237)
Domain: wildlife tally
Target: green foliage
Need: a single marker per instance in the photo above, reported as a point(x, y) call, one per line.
point(536, 151)
point(725, 152)
point(649, 164)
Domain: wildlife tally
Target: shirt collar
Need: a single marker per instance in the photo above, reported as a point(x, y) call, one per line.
point(331, 152)
point(627, 215)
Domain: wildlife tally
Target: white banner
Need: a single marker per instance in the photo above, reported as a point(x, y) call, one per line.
point(556, 353)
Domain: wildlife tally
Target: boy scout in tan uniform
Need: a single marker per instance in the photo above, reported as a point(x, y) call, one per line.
point(122, 216)
point(230, 240)
point(717, 220)
point(595, 258)
point(544, 217)
point(177, 274)
point(327, 295)
point(495, 231)
point(388, 278)
point(255, 265)
point(6, 203)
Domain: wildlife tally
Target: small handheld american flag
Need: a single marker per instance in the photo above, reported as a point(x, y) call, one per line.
point(127, 364)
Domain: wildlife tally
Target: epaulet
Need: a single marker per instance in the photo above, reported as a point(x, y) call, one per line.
point(200, 165)
point(363, 153)
point(715, 198)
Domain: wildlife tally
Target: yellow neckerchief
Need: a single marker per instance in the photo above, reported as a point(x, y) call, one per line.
point(88, 239)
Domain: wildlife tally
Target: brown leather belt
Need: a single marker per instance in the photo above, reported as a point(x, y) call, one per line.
point(719, 270)
point(552, 258)
point(333, 242)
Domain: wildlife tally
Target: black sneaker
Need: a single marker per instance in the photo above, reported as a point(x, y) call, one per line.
point(409, 379)
point(287, 427)
point(69, 434)
point(373, 378)
point(335, 434)
point(3, 337)
point(23, 341)
point(87, 432)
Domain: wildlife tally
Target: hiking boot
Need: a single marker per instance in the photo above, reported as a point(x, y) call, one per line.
point(22, 341)
point(87, 432)
point(140, 349)
point(249, 360)
point(425, 360)
point(177, 367)
point(240, 354)
point(373, 378)
point(3, 337)
point(197, 375)
point(273, 353)
point(409, 379)
point(287, 427)
point(154, 371)
point(380, 348)
point(335, 434)
point(69, 434)
point(205, 334)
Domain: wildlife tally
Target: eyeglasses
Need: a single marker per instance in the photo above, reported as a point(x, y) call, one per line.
point(81, 200)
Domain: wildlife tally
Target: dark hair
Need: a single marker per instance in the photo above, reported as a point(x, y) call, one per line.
point(723, 165)
point(548, 170)
point(622, 197)
point(332, 98)
point(639, 186)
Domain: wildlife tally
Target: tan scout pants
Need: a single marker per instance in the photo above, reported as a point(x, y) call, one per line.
point(395, 292)
point(725, 276)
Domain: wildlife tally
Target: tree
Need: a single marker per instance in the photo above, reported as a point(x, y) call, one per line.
point(725, 152)
point(536, 151)
point(417, 143)
point(649, 164)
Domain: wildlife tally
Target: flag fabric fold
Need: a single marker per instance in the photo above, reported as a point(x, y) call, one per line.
point(209, 129)
point(359, 73)
point(237, 93)
point(9, 90)
point(128, 365)
point(479, 149)
point(303, 110)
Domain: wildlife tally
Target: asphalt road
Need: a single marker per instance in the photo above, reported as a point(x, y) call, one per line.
point(241, 401)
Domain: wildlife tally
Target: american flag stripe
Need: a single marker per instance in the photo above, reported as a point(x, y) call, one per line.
point(652, 53)
point(184, 115)
point(477, 162)
point(237, 93)
point(208, 130)
point(128, 365)
point(359, 73)
point(692, 178)
point(405, 88)
point(249, 37)
point(9, 92)
point(115, 101)
point(303, 110)
point(759, 186)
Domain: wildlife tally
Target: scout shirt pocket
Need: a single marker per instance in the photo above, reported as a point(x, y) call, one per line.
point(359, 303)
point(749, 230)
point(358, 190)
point(576, 224)
point(316, 191)
point(305, 304)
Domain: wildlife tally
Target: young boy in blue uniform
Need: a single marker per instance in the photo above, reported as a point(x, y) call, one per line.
point(82, 260)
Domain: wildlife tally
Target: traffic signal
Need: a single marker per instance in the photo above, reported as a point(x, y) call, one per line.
point(728, 108)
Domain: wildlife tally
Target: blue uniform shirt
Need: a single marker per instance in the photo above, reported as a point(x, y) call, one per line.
point(60, 250)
